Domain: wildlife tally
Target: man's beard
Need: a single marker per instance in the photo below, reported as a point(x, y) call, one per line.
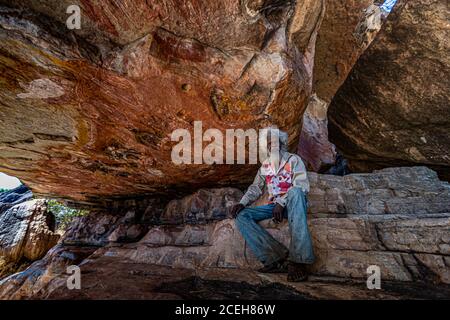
point(275, 158)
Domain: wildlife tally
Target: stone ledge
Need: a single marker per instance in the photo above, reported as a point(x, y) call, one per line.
point(406, 248)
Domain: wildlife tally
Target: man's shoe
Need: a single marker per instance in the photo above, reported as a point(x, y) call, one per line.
point(297, 272)
point(275, 267)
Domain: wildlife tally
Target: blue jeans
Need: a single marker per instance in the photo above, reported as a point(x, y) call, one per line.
point(264, 246)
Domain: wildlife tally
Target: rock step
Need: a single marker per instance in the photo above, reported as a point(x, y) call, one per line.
point(396, 218)
point(406, 248)
point(411, 246)
point(410, 190)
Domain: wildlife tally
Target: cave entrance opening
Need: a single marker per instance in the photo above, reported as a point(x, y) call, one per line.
point(8, 182)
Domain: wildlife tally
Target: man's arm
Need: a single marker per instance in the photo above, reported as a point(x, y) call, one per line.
point(254, 191)
point(252, 194)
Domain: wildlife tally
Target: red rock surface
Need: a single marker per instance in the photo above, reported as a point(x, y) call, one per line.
point(337, 49)
point(87, 115)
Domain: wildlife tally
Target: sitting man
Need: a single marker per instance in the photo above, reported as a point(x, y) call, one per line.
point(284, 175)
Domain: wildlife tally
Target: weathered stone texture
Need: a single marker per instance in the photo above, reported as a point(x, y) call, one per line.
point(317, 152)
point(43, 273)
point(406, 248)
point(347, 29)
point(88, 114)
point(345, 247)
point(91, 230)
point(337, 48)
point(143, 281)
point(27, 231)
point(396, 218)
point(407, 190)
point(393, 108)
point(408, 241)
point(15, 196)
point(203, 206)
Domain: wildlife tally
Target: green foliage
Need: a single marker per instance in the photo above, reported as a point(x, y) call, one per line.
point(63, 214)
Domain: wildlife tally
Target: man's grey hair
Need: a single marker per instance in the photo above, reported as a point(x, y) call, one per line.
point(282, 137)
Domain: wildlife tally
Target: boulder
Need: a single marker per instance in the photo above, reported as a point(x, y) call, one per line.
point(27, 231)
point(15, 196)
point(42, 273)
point(337, 47)
point(203, 206)
point(392, 109)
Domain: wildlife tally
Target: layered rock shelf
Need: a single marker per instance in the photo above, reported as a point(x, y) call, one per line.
point(356, 221)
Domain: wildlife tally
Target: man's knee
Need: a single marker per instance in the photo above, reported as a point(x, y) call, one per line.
point(295, 192)
point(244, 214)
point(297, 197)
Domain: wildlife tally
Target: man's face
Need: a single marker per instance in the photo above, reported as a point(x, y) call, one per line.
point(272, 144)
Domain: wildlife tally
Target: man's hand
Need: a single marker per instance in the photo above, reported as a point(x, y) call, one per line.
point(277, 213)
point(236, 209)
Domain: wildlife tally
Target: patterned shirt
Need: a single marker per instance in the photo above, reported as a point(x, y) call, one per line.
point(278, 181)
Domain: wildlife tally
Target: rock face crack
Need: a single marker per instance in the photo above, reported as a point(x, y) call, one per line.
point(379, 237)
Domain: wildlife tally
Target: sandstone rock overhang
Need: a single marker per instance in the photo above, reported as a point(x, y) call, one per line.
point(394, 107)
point(87, 114)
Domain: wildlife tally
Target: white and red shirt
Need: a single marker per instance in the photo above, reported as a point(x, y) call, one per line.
point(278, 179)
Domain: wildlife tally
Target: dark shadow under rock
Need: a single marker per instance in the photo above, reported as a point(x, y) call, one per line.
point(195, 288)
